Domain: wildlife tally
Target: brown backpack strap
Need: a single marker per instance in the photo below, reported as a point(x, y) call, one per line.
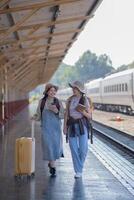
point(67, 106)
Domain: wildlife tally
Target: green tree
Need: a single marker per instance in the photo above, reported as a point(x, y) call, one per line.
point(91, 67)
point(88, 67)
point(131, 65)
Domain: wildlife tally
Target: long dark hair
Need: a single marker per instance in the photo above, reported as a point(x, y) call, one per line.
point(82, 99)
point(43, 101)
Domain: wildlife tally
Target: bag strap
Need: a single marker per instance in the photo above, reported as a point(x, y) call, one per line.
point(56, 102)
point(43, 101)
point(67, 106)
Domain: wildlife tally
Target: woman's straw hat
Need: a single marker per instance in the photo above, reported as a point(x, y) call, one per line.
point(49, 86)
point(79, 85)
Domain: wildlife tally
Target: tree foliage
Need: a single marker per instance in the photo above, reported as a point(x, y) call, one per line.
point(64, 74)
point(88, 67)
point(131, 65)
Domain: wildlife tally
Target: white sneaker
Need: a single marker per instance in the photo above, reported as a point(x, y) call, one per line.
point(78, 175)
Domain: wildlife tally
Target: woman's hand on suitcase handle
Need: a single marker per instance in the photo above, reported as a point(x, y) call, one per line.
point(34, 117)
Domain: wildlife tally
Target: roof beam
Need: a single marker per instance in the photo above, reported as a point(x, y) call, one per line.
point(17, 50)
point(55, 16)
point(35, 37)
point(50, 23)
point(22, 74)
point(18, 24)
point(36, 6)
point(30, 84)
point(24, 64)
point(4, 3)
point(23, 84)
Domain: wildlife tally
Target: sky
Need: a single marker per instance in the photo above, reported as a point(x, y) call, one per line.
point(110, 31)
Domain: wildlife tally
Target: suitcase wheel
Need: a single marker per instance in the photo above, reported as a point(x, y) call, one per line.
point(29, 176)
point(33, 174)
point(18, 177)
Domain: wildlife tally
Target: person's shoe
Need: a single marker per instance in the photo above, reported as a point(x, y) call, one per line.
point(53, 171)
point(78, 175)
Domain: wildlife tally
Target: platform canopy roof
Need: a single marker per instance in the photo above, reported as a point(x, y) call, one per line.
point(35, 36)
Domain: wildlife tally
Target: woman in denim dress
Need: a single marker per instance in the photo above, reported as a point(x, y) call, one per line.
point(50, 111)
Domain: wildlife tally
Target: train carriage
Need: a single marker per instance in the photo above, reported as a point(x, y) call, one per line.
point(112, 93)
point(93, 90)
point(63, 94)
point(118, 91)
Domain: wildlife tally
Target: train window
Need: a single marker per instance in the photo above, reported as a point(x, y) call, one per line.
point(115, 88)
point(107, 88)
point(126, 87)
point(112, 88)
point(120, 87)
point(104, 89)
point(123, 87)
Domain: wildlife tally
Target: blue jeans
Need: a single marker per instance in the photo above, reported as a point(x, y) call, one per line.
point(79, 148)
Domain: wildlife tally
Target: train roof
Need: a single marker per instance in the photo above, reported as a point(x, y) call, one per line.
point(64, 90)
point(94, 81)
point(125, 72)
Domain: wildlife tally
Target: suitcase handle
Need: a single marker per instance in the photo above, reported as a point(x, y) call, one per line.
point(32, 129)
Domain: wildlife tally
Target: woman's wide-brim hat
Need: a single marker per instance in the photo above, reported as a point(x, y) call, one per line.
point(79, 85)
point(49, 86)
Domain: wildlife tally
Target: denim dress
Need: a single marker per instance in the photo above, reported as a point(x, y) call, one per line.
point(51, 134)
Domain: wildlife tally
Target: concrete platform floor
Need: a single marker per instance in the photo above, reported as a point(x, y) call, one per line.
point(97, 182)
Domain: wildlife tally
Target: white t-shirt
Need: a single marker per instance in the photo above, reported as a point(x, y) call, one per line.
point(72, 108)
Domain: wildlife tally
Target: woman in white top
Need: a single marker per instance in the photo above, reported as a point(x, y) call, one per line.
point(76, 126)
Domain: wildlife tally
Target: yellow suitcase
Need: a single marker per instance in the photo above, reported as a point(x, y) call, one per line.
point(25, 155)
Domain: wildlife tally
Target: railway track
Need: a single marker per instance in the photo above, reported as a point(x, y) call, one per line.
point(115, 155)
point(118, 138)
